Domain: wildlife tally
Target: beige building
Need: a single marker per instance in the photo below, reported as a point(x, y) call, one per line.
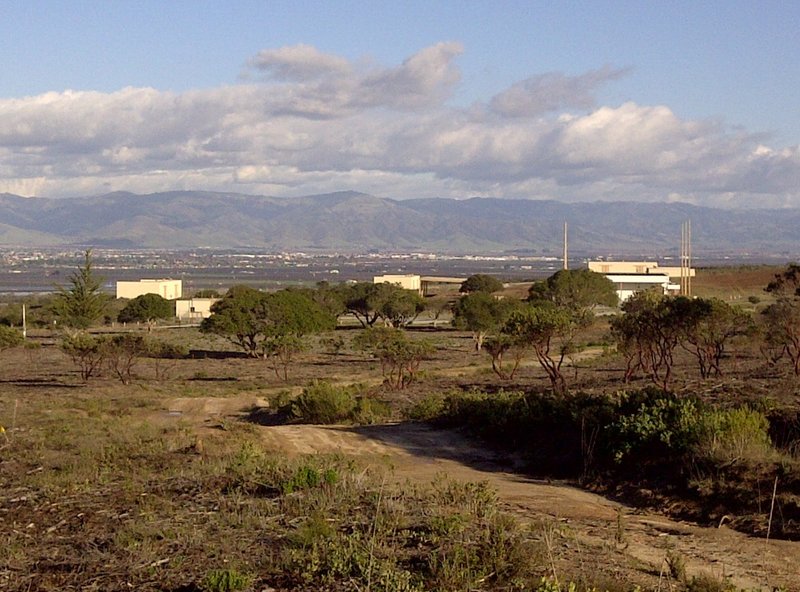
point(194, 309)
point(631, 267)
point(169, 289)
point(622, 267)
point(407, 281)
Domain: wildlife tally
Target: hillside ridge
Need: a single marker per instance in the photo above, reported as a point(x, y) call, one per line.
point(357, 222)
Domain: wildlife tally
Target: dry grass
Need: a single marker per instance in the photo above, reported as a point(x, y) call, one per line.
point(96, 492)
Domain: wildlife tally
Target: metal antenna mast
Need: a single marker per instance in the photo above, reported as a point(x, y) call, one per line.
point(686, 258)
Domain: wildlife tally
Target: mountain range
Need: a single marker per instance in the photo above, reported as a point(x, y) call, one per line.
point(356, 222)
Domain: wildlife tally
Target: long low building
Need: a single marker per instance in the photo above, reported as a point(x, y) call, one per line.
point(422, 284)
point(166, 288)
point(194, 309)
point(627, 284)
point(632, 267)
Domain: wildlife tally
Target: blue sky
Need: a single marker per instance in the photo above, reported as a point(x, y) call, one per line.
point(656, 101)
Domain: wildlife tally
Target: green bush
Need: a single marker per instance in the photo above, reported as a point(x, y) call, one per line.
point(654, 424)
point(369, 410)
point(708, 583)
point(9, 337)
point(732, 435)
point(309, 477)
point(165, 350)
point(225, 580)
point(428, 408)
point(324, 403)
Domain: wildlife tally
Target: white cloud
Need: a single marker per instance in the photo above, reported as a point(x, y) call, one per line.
point(548, 92)
point(320, 123)
point(298, 63)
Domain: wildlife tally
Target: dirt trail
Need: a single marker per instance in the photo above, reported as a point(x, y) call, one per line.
point(419, 453)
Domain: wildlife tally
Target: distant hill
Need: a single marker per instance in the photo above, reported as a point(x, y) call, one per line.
point(356, 222)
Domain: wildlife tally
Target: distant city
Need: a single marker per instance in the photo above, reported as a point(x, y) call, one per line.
point(42, 270)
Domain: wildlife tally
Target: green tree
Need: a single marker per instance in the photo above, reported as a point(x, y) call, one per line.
point(122, 353)
point(147, 308)
point(786, 284)
point(236, 316)
point(399, 355)
point(482, 314)
point(548, 330)
point(329, 298)
point(649, 331)
point(501, 346)
point(394, 305)
point(780, 324)
point(83, 303)
point(781, 320)
point(88, 353)
point(363, 300)
point(578, 290)
point(710, 326)
point(480, 282)
point(268, 325)
point(291, 312)
point(400, 307)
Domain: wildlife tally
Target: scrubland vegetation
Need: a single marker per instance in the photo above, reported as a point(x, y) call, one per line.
point(682, 406)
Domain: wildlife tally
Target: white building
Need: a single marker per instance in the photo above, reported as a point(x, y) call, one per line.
point(169, 289)
point(194, 309)
point(407, 281)
point(635, 276)
point(627, 284)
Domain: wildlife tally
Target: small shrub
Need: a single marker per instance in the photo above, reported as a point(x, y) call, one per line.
point(308, 477)
point(369, 410)
point(225, 580)
point(708, 583)
point(88, 353)
point(334, 345)
point(10, 337)
point(676, 565)
point(428, 408)
point(324, 403)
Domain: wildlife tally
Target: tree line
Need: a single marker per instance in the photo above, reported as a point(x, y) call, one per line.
point(545, 326)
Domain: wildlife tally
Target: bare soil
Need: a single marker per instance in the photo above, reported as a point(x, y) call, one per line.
point(419, 453)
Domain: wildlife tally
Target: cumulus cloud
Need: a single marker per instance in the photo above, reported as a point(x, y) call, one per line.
point(423, 79)
point(318, 122)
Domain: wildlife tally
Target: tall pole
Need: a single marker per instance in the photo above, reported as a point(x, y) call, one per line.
point(24, 323)
point(566, 265)
point(689, 258)
point(686, 258)
point(683, 258)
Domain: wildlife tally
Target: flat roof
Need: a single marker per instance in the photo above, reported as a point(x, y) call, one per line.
point(443, 280)
point(644, 278)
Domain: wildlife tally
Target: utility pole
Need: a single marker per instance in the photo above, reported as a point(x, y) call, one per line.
point(566, 264)
point(24, 323)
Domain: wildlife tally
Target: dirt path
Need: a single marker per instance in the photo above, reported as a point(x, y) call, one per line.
point(420, 453)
